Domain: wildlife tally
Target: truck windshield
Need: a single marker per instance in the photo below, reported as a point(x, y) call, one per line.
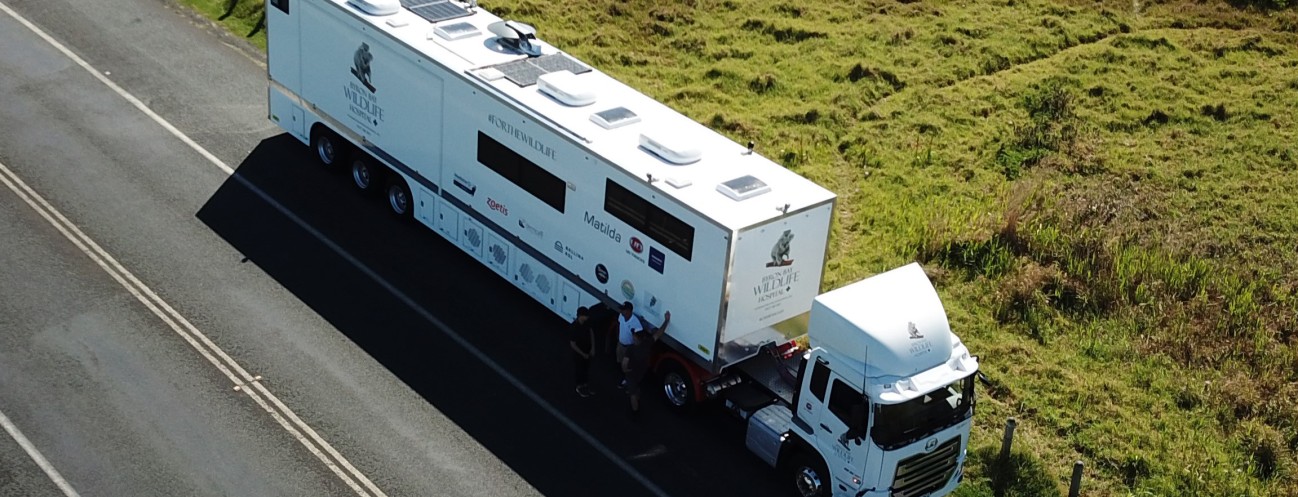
point(899, 424)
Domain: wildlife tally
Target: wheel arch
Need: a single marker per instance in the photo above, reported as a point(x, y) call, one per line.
point(697, 375)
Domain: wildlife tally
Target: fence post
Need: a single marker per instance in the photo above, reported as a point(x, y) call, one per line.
point(1075, 488)
point(1009, 438)
point(230, 5)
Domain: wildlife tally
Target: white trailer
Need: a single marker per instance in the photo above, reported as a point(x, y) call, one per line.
point(582, 190)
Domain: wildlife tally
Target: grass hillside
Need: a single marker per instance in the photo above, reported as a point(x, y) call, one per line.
point(1103, 192)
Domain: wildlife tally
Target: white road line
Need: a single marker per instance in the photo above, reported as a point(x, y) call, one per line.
point(113, 86)
point(36, 456)
point(190, 334)
point(285, 416)
point(531, 394)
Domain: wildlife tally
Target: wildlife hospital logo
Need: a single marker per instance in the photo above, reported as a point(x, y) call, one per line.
point(361, 65)
point(363, 105)
point(780, 252)
point(777, 284)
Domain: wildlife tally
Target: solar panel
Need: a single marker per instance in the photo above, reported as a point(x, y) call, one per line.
point(524, 72)
point(560, 62)
point(415, 3)
point(439, 11)
point(521, 72)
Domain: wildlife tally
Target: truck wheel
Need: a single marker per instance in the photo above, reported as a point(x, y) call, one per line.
point(399, 201)
point(809, 476)
point(364, 174)
point(678, 387)
point(329, 148)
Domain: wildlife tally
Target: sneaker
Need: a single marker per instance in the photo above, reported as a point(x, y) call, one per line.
point(583, 392)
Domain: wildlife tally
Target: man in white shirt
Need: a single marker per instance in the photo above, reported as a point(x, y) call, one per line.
point(627, 325)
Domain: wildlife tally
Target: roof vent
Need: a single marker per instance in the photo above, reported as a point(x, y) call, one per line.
point(516, 36)
point(377, 7)
point(615, 117)
point(673, 148)
point(565, 87)
point(452, 32)
point(743, 187)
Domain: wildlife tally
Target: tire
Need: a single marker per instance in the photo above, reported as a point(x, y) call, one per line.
point(365, 174)
point(399, 201)
point(677, 386)
point(808, 477)
point(330, 150)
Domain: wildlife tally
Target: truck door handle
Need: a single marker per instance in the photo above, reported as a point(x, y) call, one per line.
point(823, 427)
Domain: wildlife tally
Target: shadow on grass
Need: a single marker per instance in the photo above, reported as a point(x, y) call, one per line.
point(1021, 475)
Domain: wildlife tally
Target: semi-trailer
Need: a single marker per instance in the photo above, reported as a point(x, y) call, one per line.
point(580, 190)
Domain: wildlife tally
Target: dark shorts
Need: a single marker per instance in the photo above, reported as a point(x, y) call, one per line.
point(633, 384)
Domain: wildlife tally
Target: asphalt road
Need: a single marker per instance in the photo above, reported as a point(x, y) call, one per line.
point(424, 370)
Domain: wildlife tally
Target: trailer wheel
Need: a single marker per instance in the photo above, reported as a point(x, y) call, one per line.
point(399, 201)
point(329, 148)
point(678, 386)
point(364, 174)
point(808, 476)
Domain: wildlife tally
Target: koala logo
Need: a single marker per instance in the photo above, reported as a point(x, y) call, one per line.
point(361, 65)
point(780, 252)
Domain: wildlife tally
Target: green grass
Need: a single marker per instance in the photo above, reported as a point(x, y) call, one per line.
point(1103, 192)
point(239, 17)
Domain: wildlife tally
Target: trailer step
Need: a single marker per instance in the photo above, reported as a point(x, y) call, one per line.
point(746, 398)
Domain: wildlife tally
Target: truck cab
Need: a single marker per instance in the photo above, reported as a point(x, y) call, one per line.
point(885, 396)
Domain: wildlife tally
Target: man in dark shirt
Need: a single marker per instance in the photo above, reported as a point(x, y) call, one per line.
point(636, 362)
point(581, 339)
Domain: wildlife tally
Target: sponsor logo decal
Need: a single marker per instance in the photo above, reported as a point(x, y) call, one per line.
point(601, 273)
point(637, 246)
point(568, 251)
point(656, 259)
point(914, 332)
point(602, 227)
point(497, 206)
point(628, 290)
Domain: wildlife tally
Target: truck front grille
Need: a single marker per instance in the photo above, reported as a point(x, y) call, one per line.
point(921, 474)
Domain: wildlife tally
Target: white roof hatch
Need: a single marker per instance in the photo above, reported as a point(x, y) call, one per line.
point(673, 148)
point(566, 87)
point(377, 7)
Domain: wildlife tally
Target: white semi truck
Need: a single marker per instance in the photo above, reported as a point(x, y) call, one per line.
point(579, 189)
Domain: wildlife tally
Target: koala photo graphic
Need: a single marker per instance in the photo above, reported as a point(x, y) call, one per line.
point(361, 65)
point(780, 252)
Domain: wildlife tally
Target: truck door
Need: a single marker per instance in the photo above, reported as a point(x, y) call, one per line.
point(836, 412)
